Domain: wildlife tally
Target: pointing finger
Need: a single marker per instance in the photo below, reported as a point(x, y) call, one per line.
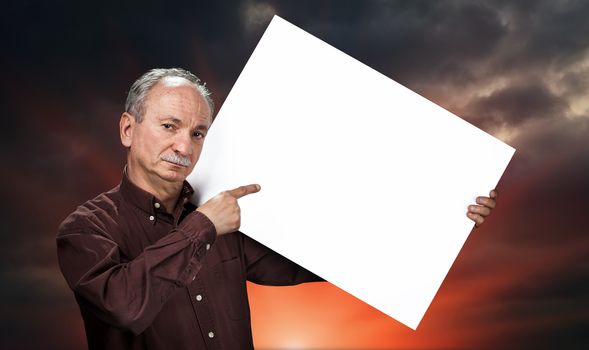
point(244, 190)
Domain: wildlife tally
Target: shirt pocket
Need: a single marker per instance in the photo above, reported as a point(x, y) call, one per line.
point(230, 286)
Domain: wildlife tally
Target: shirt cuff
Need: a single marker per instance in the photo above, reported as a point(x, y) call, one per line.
point(199, 230)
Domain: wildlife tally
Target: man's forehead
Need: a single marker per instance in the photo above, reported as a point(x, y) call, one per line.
point(167, 87)
point(172, 85)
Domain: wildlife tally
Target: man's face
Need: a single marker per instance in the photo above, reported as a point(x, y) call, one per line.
point(167, 143)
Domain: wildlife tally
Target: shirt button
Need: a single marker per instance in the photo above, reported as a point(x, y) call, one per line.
point(208, 246)
point(199, 298)
point(211, 334)
point(156, 205)
point(151, 218)
point(193, 278)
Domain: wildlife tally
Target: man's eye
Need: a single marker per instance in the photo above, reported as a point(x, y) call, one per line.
point(167, 126)
point(198, 134)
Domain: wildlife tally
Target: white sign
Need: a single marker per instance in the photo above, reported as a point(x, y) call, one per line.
point(364, 182)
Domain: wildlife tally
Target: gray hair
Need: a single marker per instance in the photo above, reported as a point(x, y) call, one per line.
point(135, 104)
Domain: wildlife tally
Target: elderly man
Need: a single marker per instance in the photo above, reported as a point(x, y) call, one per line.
point(148, 268)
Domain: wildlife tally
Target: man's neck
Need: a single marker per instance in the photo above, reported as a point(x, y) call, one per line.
point(166, 192)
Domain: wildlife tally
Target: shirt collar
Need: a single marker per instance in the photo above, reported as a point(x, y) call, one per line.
point(147, 201)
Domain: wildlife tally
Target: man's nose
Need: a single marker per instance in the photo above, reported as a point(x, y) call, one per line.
point(183, 144)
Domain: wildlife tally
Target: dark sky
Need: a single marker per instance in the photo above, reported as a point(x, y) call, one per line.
point(517, 69)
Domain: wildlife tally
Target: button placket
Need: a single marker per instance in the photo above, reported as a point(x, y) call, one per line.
point(201, 309)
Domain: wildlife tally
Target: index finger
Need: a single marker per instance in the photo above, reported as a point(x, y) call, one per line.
point(244, 190)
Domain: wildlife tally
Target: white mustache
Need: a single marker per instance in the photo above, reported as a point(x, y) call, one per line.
point(177, 159)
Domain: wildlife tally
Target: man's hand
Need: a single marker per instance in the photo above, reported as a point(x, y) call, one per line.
point(478, 213)
point(223, 209)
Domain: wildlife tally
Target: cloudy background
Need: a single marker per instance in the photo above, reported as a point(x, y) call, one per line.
point(518, 70)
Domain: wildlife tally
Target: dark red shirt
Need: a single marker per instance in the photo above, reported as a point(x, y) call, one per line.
point(147, 279)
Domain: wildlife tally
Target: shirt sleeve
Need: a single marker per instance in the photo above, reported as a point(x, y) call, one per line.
point(130, 294)
point(265, 266)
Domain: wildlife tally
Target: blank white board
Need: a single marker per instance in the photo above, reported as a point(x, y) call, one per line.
point(364, 182)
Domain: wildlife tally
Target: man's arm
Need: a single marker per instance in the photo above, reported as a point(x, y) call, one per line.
point(129, 294)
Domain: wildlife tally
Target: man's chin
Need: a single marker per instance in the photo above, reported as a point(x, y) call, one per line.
point(178, 175)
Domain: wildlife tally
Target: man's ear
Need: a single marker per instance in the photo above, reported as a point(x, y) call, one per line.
point(126, 128)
